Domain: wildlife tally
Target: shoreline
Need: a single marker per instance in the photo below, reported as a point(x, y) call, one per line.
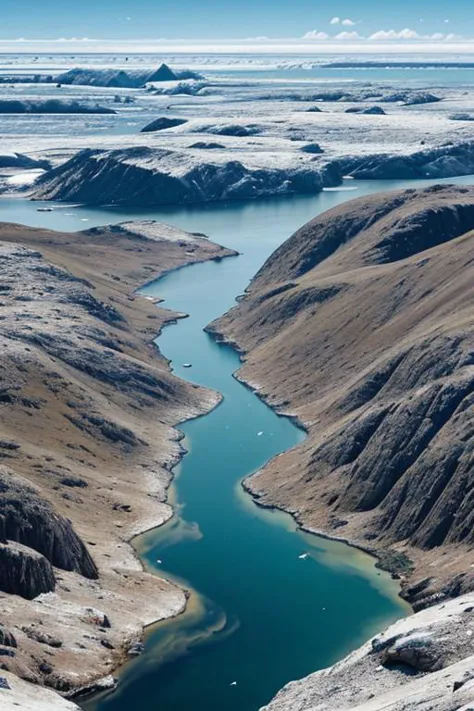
point(188, 590)
point(383, 562)
point(150, 509)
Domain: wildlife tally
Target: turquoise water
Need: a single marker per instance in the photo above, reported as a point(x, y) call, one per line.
point(258, 614)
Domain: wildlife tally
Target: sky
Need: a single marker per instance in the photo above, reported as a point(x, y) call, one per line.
point(364, 23)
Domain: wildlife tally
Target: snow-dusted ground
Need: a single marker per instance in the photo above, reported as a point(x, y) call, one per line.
point(18, 695)
point(276, 108)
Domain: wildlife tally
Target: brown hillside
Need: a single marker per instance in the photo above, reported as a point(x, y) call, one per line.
point(87, 409)
point(362, 325)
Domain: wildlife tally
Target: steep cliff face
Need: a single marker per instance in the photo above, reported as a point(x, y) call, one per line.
point(24, 571)
point(362, 324)
point(29, 519)
point(153, 176)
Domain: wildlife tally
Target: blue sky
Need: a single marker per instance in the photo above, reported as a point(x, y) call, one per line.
point(231, 19)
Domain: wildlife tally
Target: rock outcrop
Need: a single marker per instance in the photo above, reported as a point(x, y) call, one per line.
point(50, 106)
point(362, 325)
point(29, 519)
point(114, 78)
point(369, 111)
point(162, 123)
point(445, 161)
point(24, 571)
point(18, 160)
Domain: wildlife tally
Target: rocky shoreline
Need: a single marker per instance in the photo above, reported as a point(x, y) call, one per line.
point(398, 564)
point(429, 570)
point(148, 176)
point(77, 352)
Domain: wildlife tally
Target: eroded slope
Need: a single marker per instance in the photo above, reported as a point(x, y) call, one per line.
point(362, 325)
point(87, 409)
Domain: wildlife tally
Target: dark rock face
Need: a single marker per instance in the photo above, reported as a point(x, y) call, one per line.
point(370, 111)
point(415, 99)
point(207, 145)
point(6, 638)
point(151, 176)
point(42, 637)
point(421, 655)
point(24, 572)
point(164, 73)
point(28, 519)
point(50, 106)
point(312, 148)
point(442, 162)
point(239, 130)
point(162, 123)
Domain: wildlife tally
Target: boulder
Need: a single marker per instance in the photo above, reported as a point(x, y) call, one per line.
point(24, 572)
point(162, 123)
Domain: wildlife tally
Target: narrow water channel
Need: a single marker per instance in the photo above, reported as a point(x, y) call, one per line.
point(259, 614)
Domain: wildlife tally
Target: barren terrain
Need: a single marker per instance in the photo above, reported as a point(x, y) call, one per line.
point(87, 414)
point(361, 325)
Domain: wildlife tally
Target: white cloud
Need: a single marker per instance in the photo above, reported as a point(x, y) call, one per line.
point(348, 36)
point(315, 35)
point(73, 39)
point(407, 34)
point(393, 35)
point(446, 21)
point(335, 21)
point(348, 23)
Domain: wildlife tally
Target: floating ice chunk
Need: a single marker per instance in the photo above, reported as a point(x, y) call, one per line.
point(339, 190)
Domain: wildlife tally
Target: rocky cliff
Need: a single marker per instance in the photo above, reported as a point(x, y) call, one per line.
point(154, 176)
point(362, 326)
